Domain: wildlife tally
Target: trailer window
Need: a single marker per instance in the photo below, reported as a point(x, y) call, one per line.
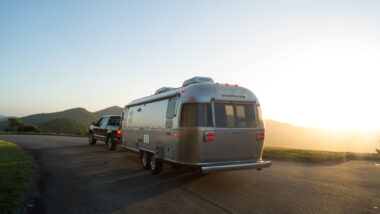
point(196, 115)
point(260, 117)
point(234, 115)
point(171, 111)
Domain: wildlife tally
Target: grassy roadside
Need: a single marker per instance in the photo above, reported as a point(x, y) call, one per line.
point(302, 155)
point(14, 176)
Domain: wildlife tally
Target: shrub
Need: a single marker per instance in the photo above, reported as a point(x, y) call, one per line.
point(29, 128)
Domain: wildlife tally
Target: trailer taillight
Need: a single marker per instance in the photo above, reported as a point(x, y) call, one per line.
point(217, 84)
point(208, 136)
point(236, 86)
point(183, 91)
point(261, 135)
point(176, 135)
point(118, 133)
point(227, 84)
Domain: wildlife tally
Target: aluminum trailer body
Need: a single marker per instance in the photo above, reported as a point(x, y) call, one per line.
point(206, 124)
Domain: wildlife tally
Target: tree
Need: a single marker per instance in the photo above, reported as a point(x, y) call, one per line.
point(14, 124)
point(378, 150)
point(81, 130)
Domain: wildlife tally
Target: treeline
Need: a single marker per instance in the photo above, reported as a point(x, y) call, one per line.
point(15, 125)
point(57, 126)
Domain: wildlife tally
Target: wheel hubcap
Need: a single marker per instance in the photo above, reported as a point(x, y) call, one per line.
point(153, 163)
point(109, 143)
point(144, 159)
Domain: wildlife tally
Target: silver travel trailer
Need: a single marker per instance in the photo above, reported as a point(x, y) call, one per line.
point(205, 124)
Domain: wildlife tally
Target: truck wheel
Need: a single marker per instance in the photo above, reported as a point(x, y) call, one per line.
point(145, 159)
point(155, 165)
point(91, 139)
point(110, 144)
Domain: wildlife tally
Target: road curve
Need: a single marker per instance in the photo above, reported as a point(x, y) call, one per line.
point(78, 178)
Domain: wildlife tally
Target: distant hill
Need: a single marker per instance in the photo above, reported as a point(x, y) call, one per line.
point(280, 134)
point(63, 125)
point(76, 115)
point(114, 110)
point(79, 114)
point(3, 117)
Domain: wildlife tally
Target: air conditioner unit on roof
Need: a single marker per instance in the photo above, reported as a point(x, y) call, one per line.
point(163, 89)
point(197, 80)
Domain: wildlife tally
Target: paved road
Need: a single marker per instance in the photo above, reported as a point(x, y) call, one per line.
point(79, 178)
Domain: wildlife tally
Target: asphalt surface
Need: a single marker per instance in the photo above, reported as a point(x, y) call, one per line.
point(78, 178)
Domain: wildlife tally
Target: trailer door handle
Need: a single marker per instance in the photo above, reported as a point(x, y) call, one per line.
point(235, 132)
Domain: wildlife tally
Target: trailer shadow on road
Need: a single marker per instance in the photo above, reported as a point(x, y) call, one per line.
point(89, 179)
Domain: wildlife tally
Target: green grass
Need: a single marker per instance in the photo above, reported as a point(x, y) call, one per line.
point(276, 153)
point(14, 176)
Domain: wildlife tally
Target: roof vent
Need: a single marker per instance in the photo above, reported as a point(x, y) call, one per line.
point(163, 89)
point(197, 80)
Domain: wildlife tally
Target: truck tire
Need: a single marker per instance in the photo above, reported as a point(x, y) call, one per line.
point(91, 139)
point(145, 159)
point(110, 144)
point(155, 165)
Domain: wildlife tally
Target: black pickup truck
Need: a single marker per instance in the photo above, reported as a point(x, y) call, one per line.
point(106, 129)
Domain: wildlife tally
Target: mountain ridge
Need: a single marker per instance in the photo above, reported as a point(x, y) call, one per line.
point(277, 134)
point(78, 114)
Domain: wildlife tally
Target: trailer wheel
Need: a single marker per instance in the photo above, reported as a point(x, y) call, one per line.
point(155, 165)
point(91, 139)
point(145, 159)
point(176, 166)
point(110, 144)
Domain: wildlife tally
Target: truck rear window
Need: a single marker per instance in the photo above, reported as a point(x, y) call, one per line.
point(196, 115)
point(234, 115)
point(114, 121)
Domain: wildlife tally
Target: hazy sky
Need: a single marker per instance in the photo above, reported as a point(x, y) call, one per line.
point(313, 63)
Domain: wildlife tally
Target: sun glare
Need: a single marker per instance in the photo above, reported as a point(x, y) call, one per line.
point(327, 85)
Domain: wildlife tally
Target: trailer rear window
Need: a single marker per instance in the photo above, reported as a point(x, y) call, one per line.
point(234, 115)
point(196, 115)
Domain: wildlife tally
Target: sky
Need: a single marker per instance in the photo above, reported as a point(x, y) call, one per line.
point(314, 63)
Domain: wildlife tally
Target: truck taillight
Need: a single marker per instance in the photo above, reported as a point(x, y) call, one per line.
point(118, 133)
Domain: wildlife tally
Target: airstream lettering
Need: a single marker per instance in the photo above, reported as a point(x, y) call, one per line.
point(209, 125)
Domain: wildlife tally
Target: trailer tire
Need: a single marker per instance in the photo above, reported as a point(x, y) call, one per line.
point(91, 139)
point(176, 166)
point(145, 159)
point(155, 165)
point(110, 144)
